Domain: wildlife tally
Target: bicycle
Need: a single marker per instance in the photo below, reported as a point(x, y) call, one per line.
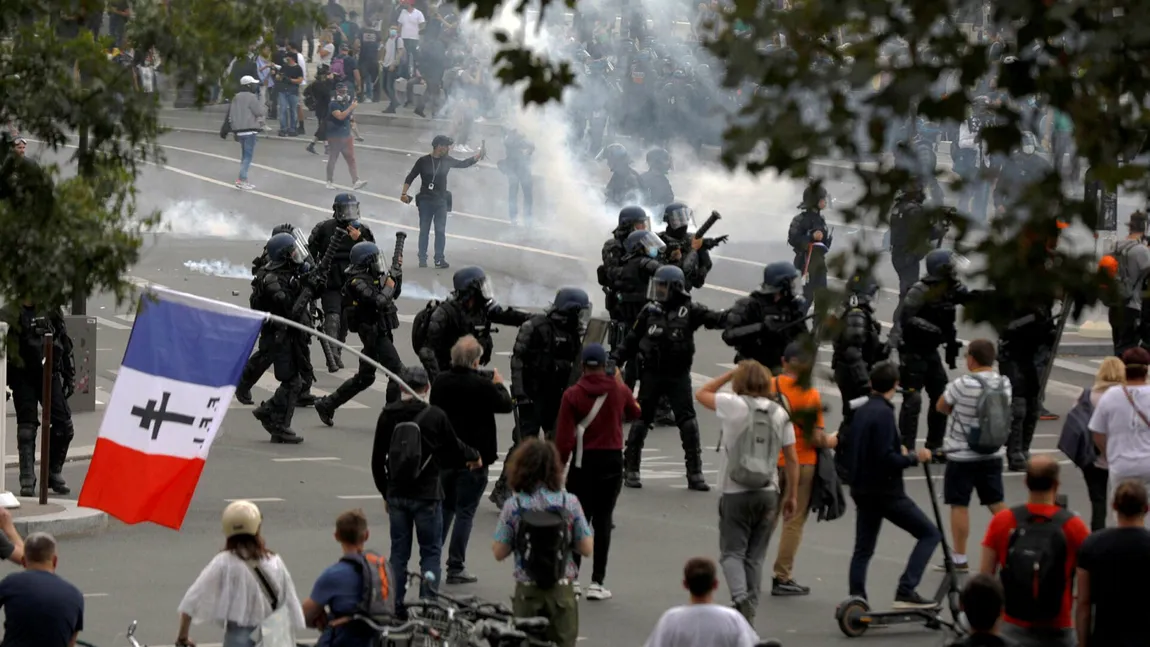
point(492, 622)
point(131, 636)
point(405, 632)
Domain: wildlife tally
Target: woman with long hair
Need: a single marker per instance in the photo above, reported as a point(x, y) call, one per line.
point(1120, 424)
point(242, 585)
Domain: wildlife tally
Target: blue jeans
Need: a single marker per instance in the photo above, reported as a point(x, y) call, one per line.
point(432, 210)
point(247, 150)
point(462, 491)
point(288, 111)
point(870, 511)
point(238, 636)
point(388, 81)
point(424, 517)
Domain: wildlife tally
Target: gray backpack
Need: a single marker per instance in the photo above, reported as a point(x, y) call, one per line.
point(754, 457)
point(993, 411)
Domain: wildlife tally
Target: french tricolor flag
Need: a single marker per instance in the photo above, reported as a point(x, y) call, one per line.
point(176, 381)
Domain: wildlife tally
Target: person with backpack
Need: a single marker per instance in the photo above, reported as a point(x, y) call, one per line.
point(755, 429)
point(359, 585)
point(414, 442)
point(1033, 549)
point(1077, 443)
point(543, 526)
point(1120, 424)
point(875, 463)
point(1133, 258)
point(979, 406)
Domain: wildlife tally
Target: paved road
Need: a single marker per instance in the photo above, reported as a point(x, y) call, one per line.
point(141, 572)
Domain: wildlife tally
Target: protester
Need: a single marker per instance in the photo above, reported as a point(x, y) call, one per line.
point(969, 471)
point(288, 78)
point(1077, 442)
point(805, 406)
point(409, 479)
point(470, 399)
point(411, 22)
point(749, 503)
point(337, 594)
point(242, 585)
point(543, 578)
point(1125, 311)
point(702, 622)
point(40, 607)
point(1121, 423)
point(1038, 600)
point(589, 431)
point(393, 54)
point(339, 118)
point(876, 462)
point(433, 199)
point(246, 114)
point(1112, 564)
point(981, 601)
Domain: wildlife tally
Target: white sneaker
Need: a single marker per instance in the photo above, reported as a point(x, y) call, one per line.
point(366, 100)
point(578, 590)
point(480, 120)
point(597, 592)
point(359, 184)
point(331, 186)
point(244, 186)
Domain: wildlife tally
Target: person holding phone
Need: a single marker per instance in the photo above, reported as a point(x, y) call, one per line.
point(433, 199)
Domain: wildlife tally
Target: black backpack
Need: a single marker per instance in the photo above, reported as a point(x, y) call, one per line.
point(376, 598)
point(1034, 572)
point(543, 543)
point(405, 460)
point(420, 324)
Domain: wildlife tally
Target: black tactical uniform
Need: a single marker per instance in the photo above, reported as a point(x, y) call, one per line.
point(857, 348)
point(810, 238)
point(632, 282)
point(631, 219)
point(695, 263)
point(1028, 337)
point(664, 337)
point(907, 229)
point(927, 320)
point(470, 310)
point(279, 292)
point(543, 364)
point(27, 327)
point(346, 214)
point(624, 187)
point(657, 191)
point(261, 359)
point(760, 326)
point(369, 308)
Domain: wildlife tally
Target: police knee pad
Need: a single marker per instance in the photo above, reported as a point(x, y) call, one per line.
point(26, 433)
point(912, 401)
point(64, 431)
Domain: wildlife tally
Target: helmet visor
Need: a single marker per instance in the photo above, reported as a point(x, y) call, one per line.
point(584, 318)
point(651, 244)
point(658, 290)
point(680, 218)
point(485, 289)
point(346, 212)
point(299, 252)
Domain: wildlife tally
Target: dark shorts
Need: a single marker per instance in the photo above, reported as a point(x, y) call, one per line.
point(963, 478)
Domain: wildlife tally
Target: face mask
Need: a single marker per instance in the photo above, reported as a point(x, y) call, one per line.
point(1029, 150)
point(391, 33)
point(653, 253)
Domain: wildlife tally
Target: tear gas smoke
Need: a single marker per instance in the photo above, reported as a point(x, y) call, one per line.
point(507, 292)
point(224, 269)
point(199, 219)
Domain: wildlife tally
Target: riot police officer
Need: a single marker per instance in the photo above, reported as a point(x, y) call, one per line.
point(926, 318)
point(345, 217)
point(663, 337)
point(470, 310)
point(858, 346)
point(543, 362)
point(28, 325)
point(760, 326)
point(261, 359)
point(810, 238)
point(631, 219)
point(624, 187)
point(369, 306)
point(688, 253)
point(279, 292)
point(1028, 336)
point(632, 283)
point(657, 191)
point(907, 249)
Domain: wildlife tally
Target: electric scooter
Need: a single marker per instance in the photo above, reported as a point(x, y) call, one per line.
point(855, 617)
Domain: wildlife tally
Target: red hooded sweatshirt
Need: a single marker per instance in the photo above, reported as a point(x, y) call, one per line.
point(606, 431)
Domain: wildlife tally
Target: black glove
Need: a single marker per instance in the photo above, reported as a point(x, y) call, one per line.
point(711, 243)
point(69, 385)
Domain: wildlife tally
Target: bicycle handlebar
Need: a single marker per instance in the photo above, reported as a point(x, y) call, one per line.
point(389, 630)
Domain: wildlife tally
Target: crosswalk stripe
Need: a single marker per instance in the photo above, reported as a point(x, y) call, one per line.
point(108, 323)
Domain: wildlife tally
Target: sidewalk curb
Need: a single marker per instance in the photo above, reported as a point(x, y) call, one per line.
point(70, 522)
point(75, 454)
point(1086, 349)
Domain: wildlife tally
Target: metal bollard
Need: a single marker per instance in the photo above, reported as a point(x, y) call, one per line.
point(46, 416)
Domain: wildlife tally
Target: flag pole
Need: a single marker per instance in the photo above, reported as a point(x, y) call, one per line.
point(155, 289)
point(46, 416)
point(7, 499)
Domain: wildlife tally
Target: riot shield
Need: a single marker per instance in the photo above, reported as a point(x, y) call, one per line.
point(596, 334)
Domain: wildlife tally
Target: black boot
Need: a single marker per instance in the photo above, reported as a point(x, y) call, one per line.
point(500, 493)
point(325, 411)
point(26, 443)
point(59, 455)
point(306, 399)
point(693, 456)
point(632, 455)
point(244, 395)
point(264, 414)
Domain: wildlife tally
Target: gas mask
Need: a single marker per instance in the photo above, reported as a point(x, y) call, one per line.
point(1028, 149)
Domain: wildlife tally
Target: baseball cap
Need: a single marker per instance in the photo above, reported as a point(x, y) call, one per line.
point(594, 355)
point(1137, 221)
point(416, 377)
point(248, 79)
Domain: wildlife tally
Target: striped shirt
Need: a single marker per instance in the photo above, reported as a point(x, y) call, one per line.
point(962, 396)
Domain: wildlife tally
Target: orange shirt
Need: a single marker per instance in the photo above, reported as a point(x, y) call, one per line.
point(798, 400)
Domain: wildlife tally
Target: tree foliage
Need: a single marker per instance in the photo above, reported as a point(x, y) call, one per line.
point(65, 234)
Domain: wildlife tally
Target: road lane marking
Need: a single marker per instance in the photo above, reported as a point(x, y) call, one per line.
point(257, 500)
point(96, 595)
point(359, 497)
point(108, 323)
point(305, 459)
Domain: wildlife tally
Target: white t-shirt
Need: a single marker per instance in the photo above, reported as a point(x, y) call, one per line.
point(409, 22)
point(732, 411)
point(1127, 436)
point(693, 625)
point(962, 396)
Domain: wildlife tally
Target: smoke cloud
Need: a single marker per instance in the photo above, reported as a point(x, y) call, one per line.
point(507, 292)
point(224, 269)
point(199, 219)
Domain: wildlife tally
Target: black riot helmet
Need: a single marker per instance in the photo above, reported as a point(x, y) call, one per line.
point(814, 197)
point(779, 278)
point(366, 254)
point(913, 191)
point(667, 284)
point(940, 264)
point(862, 289)
point(345, 208)
point(659, 160)
point(678, 217)
point(644, 242)
point(571, 306)
point(630, 218)
point(472, 281)
point(283, 248)
point(616, 156)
